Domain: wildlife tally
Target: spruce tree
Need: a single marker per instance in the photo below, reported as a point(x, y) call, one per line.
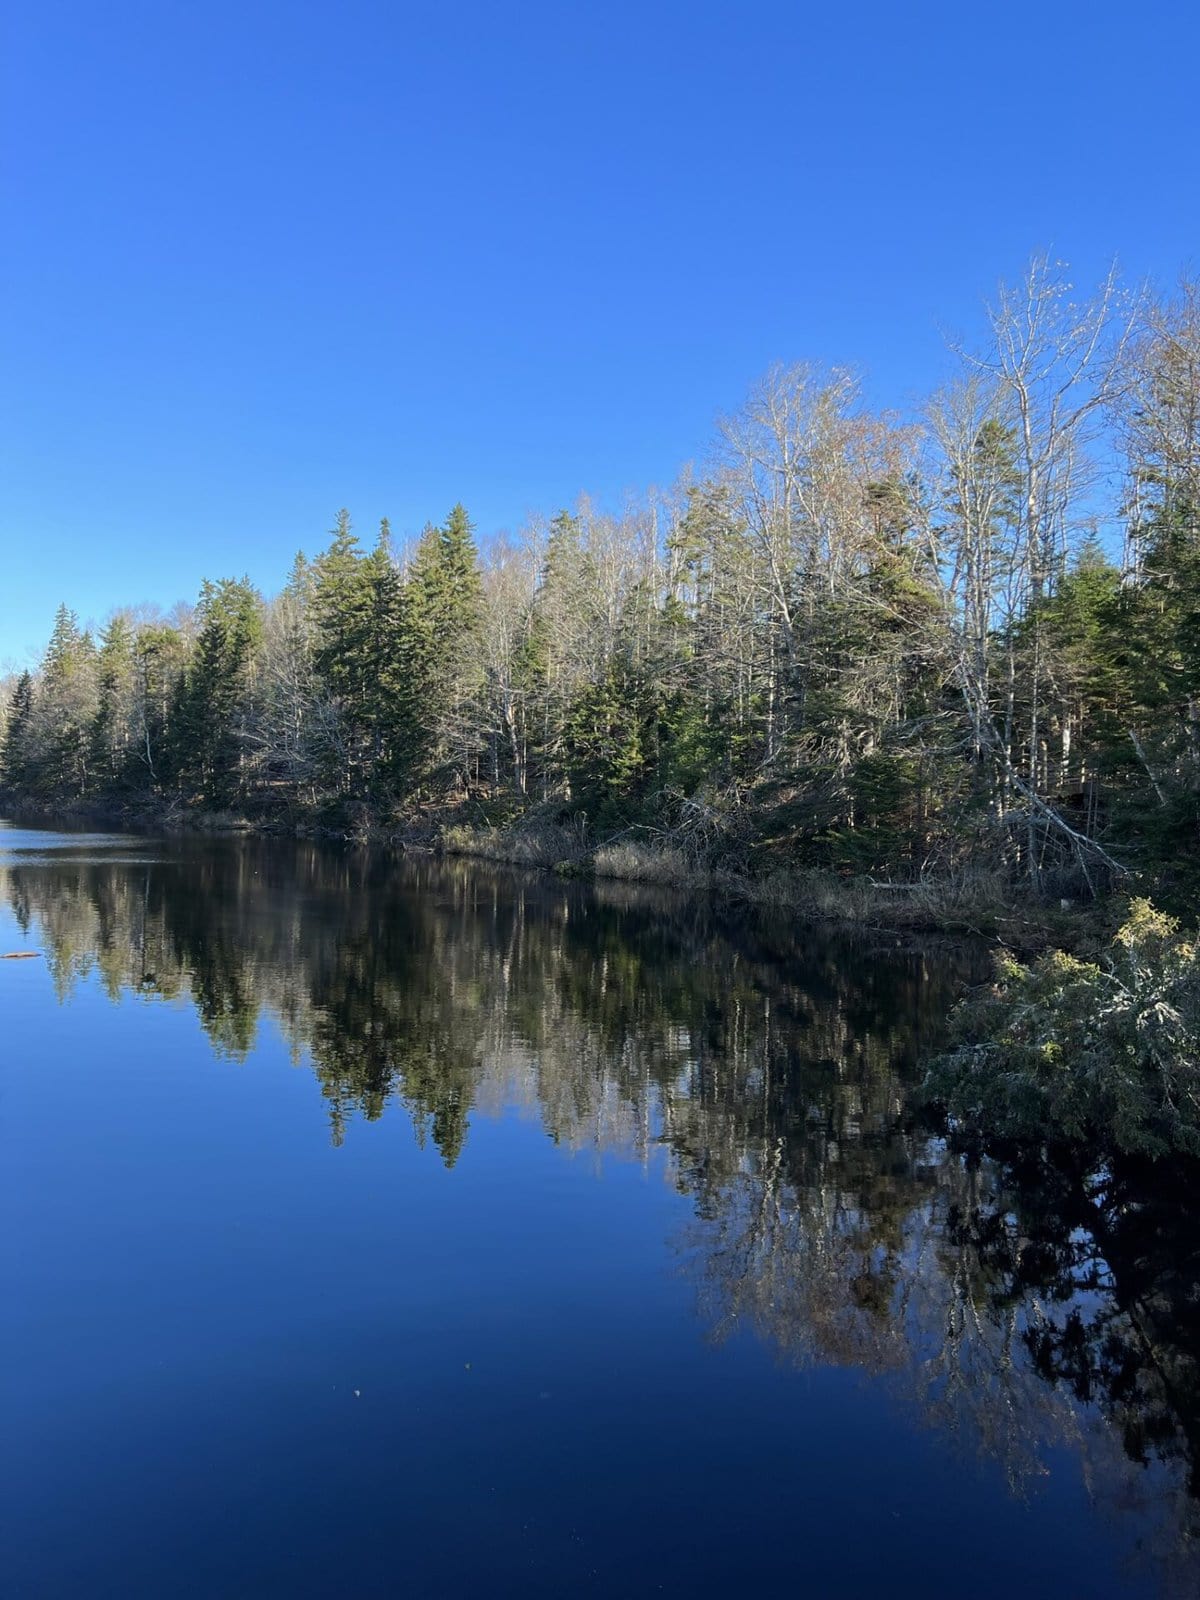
point(112, 727)
point(206, 731)
point(443, 606)
point(63, 711)
point(386, 702)
point(341, 607)
point(16, 752)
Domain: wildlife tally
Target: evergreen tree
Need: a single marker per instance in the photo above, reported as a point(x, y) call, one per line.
point(206, 729)
point(64, 706)
point(341, 607)
point(16, 763)
point(1155, 652)
point(442, 617)
point(112, 730)
point(388, 711)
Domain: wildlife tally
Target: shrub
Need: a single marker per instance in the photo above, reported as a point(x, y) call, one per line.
point(1067, 1051)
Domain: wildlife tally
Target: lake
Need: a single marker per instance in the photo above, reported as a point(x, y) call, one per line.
point(380, 1226)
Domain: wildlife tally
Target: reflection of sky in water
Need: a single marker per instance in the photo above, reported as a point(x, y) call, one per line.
point(626, 1264)
point(31, 845)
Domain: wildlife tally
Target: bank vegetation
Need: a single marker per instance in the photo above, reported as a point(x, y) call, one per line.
point(946, 657)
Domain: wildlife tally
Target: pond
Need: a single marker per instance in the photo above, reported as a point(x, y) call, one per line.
point(380, 1226)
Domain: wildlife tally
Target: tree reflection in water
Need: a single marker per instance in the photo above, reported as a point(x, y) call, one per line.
point(1014, 1308)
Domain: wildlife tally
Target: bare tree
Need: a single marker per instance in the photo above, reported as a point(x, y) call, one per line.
point(1157, 410)
point(1055, 366)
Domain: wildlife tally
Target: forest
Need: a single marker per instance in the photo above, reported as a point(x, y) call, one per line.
point(961, 640)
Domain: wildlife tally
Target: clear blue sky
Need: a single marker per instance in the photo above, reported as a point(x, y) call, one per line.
point(263, 260)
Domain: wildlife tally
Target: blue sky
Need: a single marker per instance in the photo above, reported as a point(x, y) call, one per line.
point(264, 260)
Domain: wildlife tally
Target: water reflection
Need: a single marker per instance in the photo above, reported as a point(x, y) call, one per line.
point(1012, 1311)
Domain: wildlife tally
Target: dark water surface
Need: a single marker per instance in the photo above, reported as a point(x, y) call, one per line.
point(380, 1228)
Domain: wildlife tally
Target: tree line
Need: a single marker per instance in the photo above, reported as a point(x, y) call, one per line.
point(853, 640)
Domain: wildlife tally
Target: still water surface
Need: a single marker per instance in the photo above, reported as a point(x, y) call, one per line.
point(380, 1228)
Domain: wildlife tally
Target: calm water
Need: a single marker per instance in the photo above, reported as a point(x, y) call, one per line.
point(378, 1228)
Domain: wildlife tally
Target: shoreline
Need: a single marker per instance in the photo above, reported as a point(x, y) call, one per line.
point(976, 905)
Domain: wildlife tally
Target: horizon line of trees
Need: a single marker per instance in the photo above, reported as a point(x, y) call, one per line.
point(856, 640)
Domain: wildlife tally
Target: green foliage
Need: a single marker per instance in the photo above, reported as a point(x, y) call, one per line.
point(15, 754)
point(1104, 1056)
point(160, 659)
point(204, 725)
point(341, 610)
point(49, 743)
point(603, 741)
point(363, 659)
point(112, 729)
point(443, 595)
